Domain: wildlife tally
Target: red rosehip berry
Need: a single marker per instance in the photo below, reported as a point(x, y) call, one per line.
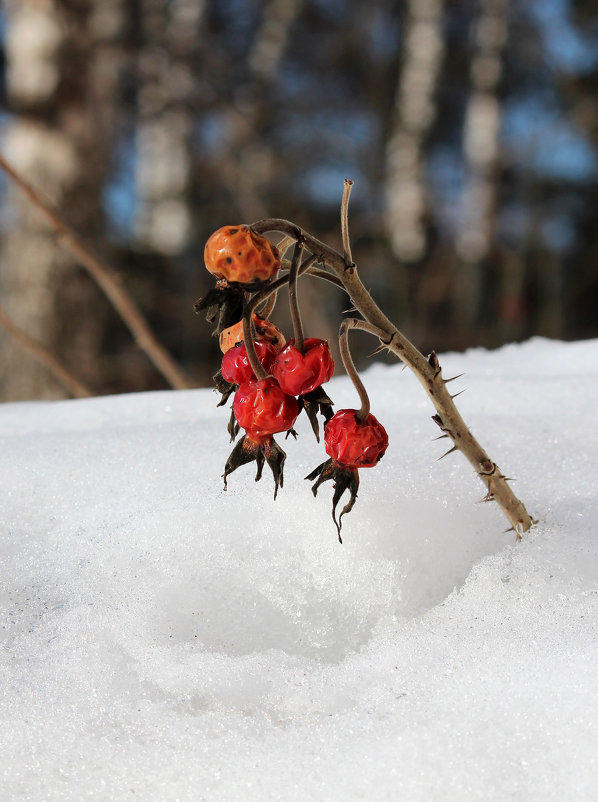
point(235, 362)
point(262, 408)
point(354, 443)
point(300, 373)
point(238, 254)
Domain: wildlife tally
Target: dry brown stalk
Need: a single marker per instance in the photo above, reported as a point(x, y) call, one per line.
point(75, 387)
point(427, 370)
point(109, 281)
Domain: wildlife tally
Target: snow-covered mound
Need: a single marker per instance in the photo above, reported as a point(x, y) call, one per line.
point(166, 640)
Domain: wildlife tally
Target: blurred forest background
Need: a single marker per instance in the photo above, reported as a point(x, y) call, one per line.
point(470, 128)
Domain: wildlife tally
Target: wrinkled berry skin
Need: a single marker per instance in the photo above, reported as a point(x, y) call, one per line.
point(235, 362)
point(262, 408)
point(264, 328)
point(238, 254)
point(353, 443)
point(300, 373)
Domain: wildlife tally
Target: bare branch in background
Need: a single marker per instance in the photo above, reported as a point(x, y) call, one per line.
point(75, 387)
point(110, 283)
point(63, 70)
point(32, 262)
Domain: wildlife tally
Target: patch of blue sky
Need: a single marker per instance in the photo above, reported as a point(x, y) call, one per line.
point(445, 172)
point(383, 39)
point(538, 134)
point(345, 130)
point(212, 130)
point(558, 232)
point(567, 47)
point(120, 192)
point(323, 183)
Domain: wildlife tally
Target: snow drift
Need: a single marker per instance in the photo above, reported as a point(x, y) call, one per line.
point(164, 639)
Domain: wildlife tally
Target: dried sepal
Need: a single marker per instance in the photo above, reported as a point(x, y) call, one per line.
point(223, 305)
point(223, 387)
point(344, 479)
point(260, 450)
point(314, 402)
point(233, 427)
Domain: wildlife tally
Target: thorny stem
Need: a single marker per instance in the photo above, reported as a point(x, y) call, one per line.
point(343, 341)
point(110, 283)
point(427, 371)
point(293, 300)
point(347, 186)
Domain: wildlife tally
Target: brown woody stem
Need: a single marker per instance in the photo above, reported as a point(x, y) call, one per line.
point(427, 371)
point(343, 341)
point(248, 335)
point(293, 300)
point(347, 186)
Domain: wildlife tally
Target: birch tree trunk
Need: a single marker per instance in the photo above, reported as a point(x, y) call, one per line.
point(170, 33)
point(59, 84)
point(481, 147)
point(246, 162)
point(406, 197)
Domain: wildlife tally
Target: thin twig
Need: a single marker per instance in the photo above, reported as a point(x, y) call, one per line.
point(109, 281)
point(268, 307)
point(343, 341)
point(284, 244)
point(324, 274)
point(293, 300)
point(75, 387)
point(347, 186)
point(249, 335)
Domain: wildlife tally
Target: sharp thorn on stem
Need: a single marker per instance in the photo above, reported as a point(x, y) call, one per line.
point(450, 451)
point(452, 379)
point(488, 497)
point(459, 393)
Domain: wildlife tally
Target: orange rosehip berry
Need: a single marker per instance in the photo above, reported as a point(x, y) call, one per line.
point(238, 254)
point(265, 329)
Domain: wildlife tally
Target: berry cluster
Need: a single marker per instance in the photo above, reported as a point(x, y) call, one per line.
point(274, 380)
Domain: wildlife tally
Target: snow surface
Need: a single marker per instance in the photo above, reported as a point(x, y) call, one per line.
point(166, 640)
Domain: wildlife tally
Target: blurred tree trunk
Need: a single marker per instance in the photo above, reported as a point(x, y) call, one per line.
point(61, 74)
point(481, 146)
point(415, 111)
point(166, 116)
point(246, 161)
